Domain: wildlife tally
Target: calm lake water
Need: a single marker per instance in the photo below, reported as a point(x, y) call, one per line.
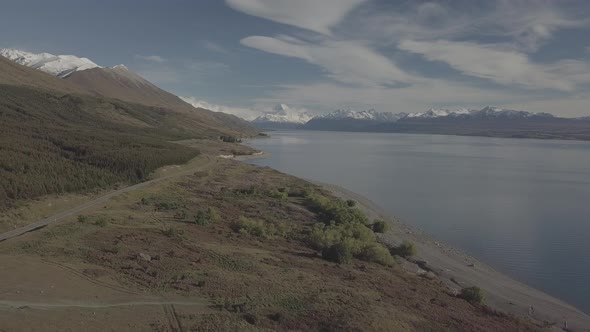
point(522, 206)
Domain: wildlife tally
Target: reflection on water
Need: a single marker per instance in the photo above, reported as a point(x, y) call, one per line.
point(521, 205)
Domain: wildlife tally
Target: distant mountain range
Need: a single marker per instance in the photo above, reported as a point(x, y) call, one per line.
point(489, 121)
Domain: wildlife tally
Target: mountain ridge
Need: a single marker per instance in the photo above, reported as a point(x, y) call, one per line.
point(117, 82)
point(488, 121)
point(56, 65)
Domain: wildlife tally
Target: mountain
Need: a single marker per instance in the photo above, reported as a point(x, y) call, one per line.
point(282, 117)
point(121, 83)
point(435, 113)
point(80, 75)
point(72, 134)
point(489, 121)
point(56, 65)
point(347, 120)
point(11, 73)
point(370, 115)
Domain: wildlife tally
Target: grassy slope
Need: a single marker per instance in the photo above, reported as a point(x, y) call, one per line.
point(59, 137)
point(52, 143)
point(251, 282)
point(125, 85)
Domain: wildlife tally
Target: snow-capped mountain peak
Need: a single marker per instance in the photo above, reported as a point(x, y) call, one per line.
point(367, 115)
point(282, 113)
point(56, 65)
point(436, 113)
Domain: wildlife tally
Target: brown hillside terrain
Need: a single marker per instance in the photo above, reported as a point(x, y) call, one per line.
point(121, 83)
point(124, 85)
point(161, 257)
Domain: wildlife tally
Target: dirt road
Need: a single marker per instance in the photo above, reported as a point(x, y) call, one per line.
point(101, 200)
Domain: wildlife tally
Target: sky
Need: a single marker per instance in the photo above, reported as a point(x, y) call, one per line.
point(245, 56)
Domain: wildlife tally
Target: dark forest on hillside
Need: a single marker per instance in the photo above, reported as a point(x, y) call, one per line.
point(51, 144)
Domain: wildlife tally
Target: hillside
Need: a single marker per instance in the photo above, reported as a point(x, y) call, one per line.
point(82, 76)
point(121, 83)
point(57, 137)
point(230, 247)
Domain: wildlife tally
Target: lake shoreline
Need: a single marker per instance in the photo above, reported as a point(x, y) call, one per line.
point(457, 269)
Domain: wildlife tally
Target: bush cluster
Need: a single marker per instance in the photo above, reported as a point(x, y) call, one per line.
point(263, 229)
point(406, 249)
point(344, 232)
point(207, 217)
point(334, 211)
point(472, 294)
point(230, 139)
point(380, 226)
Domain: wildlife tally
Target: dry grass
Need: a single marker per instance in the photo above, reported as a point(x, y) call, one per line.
point(251, 282)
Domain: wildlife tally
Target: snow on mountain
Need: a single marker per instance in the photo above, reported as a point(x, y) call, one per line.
point(368, 115)
point(500, 113)
point(435, 113)
point(488, 112)
point(56, 65)
point(282, 113)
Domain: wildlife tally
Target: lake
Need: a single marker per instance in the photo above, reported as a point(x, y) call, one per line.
point(520, 205)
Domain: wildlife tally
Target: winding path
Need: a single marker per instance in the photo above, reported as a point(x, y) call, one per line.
point(100, 200)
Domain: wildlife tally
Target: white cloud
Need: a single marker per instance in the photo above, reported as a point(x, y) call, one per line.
point(418, 97)
point(344, 61)
point(314, 15)
point(502, 65)
point(151, 58)
point(526, 24)
point(422, 96)
point(247, 113)
point(242, 112)
point(492, 40)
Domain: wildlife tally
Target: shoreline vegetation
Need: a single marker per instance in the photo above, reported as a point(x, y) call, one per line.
point(459, 270)
point(254, 248)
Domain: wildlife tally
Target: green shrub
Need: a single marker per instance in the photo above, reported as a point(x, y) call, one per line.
point(334, 210)
point(204, 218)
point(100, 221)
point(472, 294)
point(230, 139)
point(378, 253)
point(405, 249)
point(250, 191)
point(340, 252)
point(213, 214)
point(201, 218)
point(173, 232)
point(251, 227)
point(357, 235)
point(350, 203)
point(260, 228)
point(380, 226)
point(344, 227)
point(82, 219)
point(282, 195)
